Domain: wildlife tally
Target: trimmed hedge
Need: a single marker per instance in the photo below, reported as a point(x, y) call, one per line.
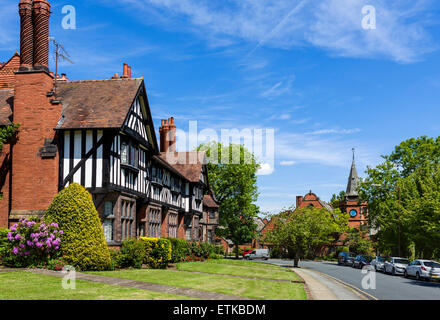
point(180, 249)
point(131, 254)
point(158, 252)
point(83, 239)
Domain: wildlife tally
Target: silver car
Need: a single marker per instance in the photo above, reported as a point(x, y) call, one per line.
point(423, 269)
point(395, 265)
point(378, 263)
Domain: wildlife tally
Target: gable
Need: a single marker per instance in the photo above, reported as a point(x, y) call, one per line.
point(136, 122)
point(7, 70)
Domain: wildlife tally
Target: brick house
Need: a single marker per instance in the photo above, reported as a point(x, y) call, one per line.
point(351, 204)
point(100, 134)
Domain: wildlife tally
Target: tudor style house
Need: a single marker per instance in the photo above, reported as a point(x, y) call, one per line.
point(100, 134)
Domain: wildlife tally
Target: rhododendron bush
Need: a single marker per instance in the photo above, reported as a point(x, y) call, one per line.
point(33, 244)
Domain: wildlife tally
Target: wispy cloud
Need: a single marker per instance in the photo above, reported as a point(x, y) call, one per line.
point(333, 25)
point(334, 131)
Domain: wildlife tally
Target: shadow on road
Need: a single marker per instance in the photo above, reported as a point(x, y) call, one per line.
point(422, 283)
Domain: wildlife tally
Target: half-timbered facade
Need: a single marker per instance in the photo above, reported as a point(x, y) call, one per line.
point(97, 133)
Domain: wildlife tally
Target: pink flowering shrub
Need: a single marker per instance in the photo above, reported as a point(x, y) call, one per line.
point(33, 243)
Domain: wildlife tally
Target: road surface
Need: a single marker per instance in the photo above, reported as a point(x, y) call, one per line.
point(388, 287)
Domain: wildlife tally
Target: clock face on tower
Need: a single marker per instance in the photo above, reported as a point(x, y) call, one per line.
point(353, 213)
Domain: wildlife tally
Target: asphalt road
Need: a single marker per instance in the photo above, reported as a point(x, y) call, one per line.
point(388, 287)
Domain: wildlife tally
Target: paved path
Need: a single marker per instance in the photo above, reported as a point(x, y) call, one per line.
point(321, 286)
point(205, 295)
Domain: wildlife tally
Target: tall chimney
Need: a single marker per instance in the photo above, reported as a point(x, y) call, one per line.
point(26, 35)
point(163, 130)
point(129, 72)
point(125, 71)
point(172, 135)
point(41, 34)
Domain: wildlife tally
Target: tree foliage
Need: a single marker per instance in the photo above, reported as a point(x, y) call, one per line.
point(234, 181)
point(414, 169)
point(83, 239)
point(7, 133)
point(302, 232)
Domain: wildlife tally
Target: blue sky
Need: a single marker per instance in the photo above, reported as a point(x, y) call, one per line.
point(306, 69)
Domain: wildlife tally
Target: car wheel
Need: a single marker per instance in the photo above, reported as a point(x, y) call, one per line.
point(418, 276)
point(405, 274)
point(393, 272)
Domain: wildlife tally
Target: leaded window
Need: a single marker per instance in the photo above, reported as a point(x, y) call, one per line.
point(154, 223)
point(127, 219)
point(109, 221)
point(172, 225)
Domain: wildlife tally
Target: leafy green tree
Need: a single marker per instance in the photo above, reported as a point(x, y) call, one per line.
point(410, 173)
point(82, 240)
point(358, 242)
point(7, 133)
point(233, 178)
point(337, 198)
point(302, 232)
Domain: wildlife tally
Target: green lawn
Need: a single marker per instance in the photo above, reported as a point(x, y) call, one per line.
point(21, 285)
point(247, 269)
point(257, 289)
point(247, 263)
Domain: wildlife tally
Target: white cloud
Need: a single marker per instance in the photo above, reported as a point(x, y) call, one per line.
point(265, 169)
point(287, 163)
point(335, 131)
point(334, 25)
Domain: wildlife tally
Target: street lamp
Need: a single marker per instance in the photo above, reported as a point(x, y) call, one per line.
point(398, 210)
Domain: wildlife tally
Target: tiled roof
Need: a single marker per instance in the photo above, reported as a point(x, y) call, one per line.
point(96, 103)
point(7, 70)
point(209, 201)
point(6, 102)
point(189, 164)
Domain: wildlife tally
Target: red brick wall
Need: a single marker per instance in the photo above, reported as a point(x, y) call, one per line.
point(34, 180)
point(164, 226)
point(5, 172)
point(181, 229)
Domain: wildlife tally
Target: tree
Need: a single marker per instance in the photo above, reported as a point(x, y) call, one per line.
point(336, 199)
point(302, 232)
point(83, 240)
point(358, 242)
point(234, 182)
point(411, 174)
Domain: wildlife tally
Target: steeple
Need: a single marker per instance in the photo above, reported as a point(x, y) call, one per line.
point(353, 181)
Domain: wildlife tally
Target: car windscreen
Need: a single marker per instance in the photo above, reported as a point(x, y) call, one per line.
point(380, 259)
point(401, 261)
point(432, 264)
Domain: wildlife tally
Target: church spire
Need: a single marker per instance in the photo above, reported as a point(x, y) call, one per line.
point(353, 180)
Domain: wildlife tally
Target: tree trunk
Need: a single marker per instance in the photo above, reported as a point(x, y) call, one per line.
point(296, 259)
point(236, 252)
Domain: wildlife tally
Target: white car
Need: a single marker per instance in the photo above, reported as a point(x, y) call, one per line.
point(378, 263)
point(423, 269)
point(395, 265)
point(258, 254)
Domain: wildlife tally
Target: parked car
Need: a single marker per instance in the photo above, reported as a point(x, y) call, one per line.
point(247, 251)
point(258, 254)
point(346, 258)
point(423, 269)
point(395, 265)
point(361, 261)
point(378, 263)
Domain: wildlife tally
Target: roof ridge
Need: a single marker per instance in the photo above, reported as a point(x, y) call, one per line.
point(99, 80)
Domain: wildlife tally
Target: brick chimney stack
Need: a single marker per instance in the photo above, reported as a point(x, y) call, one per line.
point(41, 34)
point(26, 35)
point(164, 130)
point(34, 171)
point(172, 135)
